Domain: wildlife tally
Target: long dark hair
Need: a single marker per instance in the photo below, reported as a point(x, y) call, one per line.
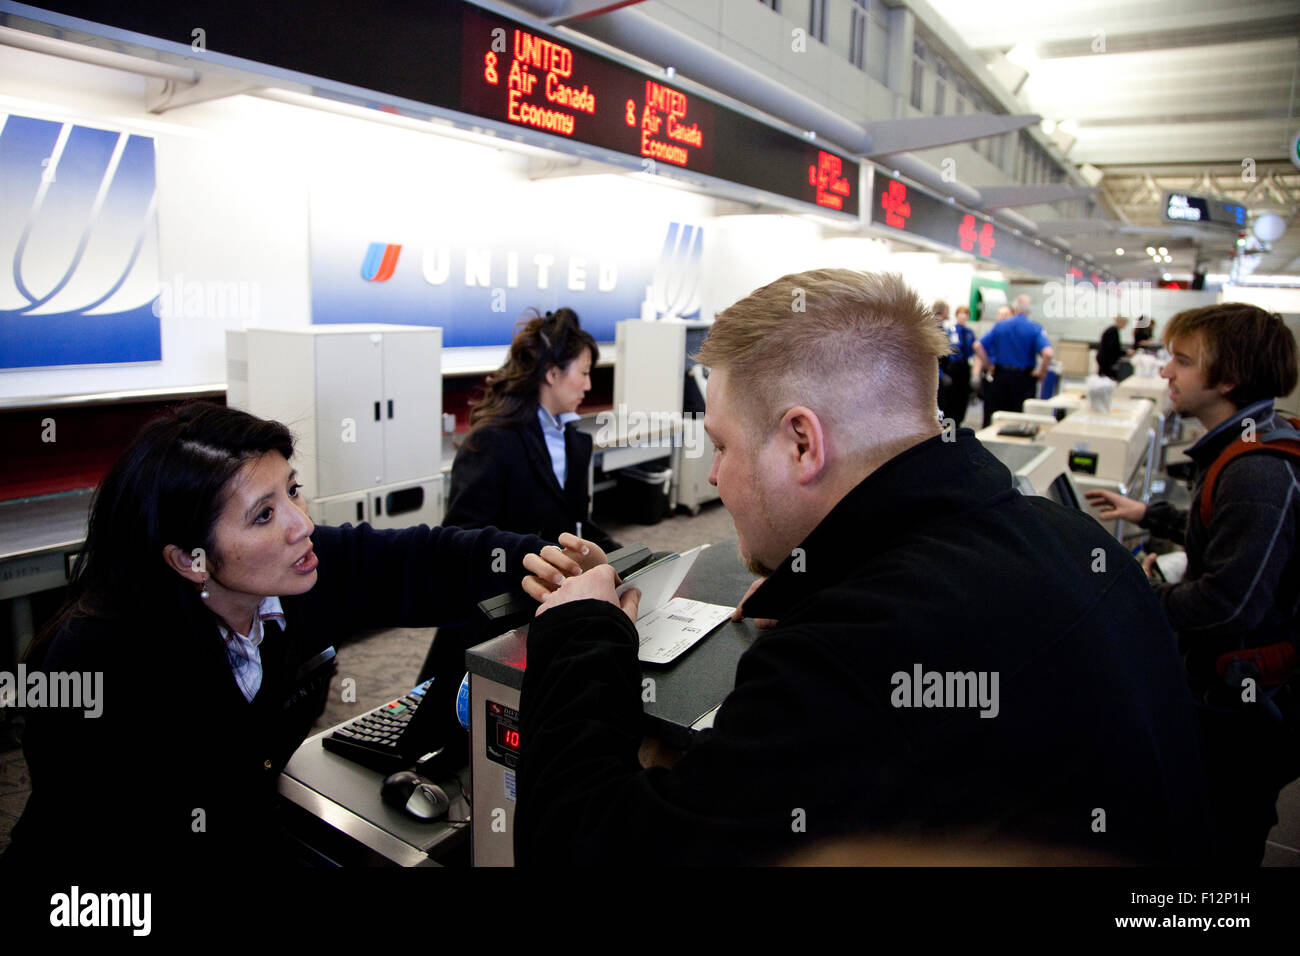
point(168, 487)
point(540, 344)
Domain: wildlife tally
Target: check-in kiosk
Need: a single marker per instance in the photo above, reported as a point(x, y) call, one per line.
point(1155, 389)
point(1116, 450)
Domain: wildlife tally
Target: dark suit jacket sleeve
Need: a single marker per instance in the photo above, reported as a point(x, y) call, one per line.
point(415, 577)
point(478, 482)
point(742, 794)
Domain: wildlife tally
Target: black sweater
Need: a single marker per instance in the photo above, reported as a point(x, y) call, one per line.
point(180, 767)
point(934, 559)
point(1242, 584)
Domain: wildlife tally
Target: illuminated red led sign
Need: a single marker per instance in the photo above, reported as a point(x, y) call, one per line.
point(894, 202)
point(913, 211)
point(970, 234)
point(518, 76)
point(828, 177)
point(459, 58)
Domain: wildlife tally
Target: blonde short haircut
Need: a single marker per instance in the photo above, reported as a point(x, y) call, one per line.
point(847, 344)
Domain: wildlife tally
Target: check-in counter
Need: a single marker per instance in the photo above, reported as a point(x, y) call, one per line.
point(1106, 445)
point(1155, 389)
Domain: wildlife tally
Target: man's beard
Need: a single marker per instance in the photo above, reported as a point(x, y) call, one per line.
point(754, 565)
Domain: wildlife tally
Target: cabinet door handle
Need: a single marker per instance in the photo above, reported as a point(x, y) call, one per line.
point(376, 411)
point(390, 408)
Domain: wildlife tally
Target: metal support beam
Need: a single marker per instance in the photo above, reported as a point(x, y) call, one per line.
point(1009, 197)
point(924, 132)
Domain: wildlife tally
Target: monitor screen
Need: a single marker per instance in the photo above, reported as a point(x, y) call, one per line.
point(1061, 490)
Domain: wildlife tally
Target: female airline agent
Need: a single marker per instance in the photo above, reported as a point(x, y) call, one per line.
point(205, 603)
point(520, 469)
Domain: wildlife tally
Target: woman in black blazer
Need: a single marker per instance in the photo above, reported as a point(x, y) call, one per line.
point(202, 617)
point(522, 443)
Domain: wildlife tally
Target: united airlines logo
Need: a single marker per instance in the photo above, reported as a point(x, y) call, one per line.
point(676, 287)
point(78, 229)
point(380, 261)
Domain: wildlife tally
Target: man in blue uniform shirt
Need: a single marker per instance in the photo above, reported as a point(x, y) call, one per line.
point(1019, 353)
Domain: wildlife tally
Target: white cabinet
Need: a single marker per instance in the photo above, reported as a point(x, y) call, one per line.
point(650, 378)
point(365, 405)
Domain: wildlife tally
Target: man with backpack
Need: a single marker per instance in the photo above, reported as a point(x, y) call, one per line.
point(1237, 609)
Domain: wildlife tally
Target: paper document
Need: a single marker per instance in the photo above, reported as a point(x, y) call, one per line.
point(669, 626)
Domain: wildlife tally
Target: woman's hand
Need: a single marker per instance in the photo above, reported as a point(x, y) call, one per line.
point(1113, 505)
point(551, 566)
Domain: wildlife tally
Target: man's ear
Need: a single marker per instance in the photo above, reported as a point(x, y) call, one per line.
point(805, 438)
point(183, 564)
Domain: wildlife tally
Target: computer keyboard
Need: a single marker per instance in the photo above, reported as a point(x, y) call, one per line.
point(382, 739)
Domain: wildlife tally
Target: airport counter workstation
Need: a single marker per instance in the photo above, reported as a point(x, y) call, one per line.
point(335, 803)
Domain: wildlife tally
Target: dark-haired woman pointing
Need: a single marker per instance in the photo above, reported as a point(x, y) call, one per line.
point(205, 604)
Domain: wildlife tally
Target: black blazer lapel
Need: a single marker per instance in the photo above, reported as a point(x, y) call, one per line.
point(577, 456)
point(539, 457)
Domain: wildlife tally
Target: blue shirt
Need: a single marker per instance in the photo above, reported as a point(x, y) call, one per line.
point(242, 652)
point(962, 340)
point(553, 432)
point(1015, 342)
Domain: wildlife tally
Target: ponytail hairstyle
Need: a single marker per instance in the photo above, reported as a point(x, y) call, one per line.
point(168, 488)
point(543, 342)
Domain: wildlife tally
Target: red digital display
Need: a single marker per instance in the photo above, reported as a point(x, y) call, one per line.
point(520, 77)
point(915, 211)
point(895, 205)
point(515, 75)
point(970, 233)
point(665, 131)
point(508, 737)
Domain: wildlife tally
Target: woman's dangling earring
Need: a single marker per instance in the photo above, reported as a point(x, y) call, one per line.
point(203, 591)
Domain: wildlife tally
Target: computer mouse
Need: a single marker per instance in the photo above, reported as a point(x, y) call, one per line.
point(419, 797)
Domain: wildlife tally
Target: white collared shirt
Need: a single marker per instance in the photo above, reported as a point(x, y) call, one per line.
point(242, 652)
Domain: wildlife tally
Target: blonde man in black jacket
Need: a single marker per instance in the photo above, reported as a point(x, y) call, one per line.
point(949, 655)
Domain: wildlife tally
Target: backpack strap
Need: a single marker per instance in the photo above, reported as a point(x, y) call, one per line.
point(1285, 446)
